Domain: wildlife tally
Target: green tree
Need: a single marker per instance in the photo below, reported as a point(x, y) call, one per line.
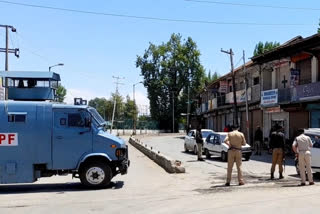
point(130, 109)
point(263, 48)
point(168, 70)
point(61, 93)
point(319, 27)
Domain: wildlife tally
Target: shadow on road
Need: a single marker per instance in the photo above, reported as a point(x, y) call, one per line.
point(59, 188)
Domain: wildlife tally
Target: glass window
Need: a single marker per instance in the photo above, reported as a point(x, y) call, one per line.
point(256, 81)
point(18, 118)
point(75, 120)
point(205, 133)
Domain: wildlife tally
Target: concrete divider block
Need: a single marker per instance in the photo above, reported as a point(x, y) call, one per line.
point(171, 166)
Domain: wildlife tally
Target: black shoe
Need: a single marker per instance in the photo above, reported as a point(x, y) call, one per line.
point(281, 176)
point(311, 183)
point(272, 176)
point(302, 184)
point(227, 184)
point(241, 183)
point(200, 159)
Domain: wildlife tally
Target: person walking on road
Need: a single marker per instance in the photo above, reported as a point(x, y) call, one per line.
point(235, 140)
point(302, 145)
point(277, 142)
point(258, 137)
point(199, 142)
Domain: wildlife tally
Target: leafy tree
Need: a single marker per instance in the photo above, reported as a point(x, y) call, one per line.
point(319, 27)
point(168, 70)
point(262, 48)
point(61, 93)
point(130, 109)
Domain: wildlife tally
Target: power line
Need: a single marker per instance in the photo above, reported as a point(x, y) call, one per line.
point(149, 17)
point(253, 5)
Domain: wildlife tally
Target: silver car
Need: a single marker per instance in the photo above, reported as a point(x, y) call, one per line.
point(190, 140)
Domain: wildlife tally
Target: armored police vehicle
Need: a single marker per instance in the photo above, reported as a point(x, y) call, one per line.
point(39, 138)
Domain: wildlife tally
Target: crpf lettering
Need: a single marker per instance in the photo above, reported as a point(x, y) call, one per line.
point(10, 138)
point(2, 138)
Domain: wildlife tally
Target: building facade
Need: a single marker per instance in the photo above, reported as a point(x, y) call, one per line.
point(283, 87)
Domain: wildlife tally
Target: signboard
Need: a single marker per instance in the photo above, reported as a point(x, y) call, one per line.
point(294, 77)
point(241, 96)
point(1, 90)
point(308, 92)
point(269, 97)
point(8, 139)
point(223, 87)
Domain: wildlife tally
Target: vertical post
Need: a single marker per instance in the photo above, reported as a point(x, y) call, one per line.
point(235, 117)
point(246, 88)
point(235, 114)
point(7, 48)
point(188, 107)
point(134, 113)
point(173, 112)
point(114, 110)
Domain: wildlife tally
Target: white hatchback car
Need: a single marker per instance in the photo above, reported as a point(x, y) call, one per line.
point(190, 141)
point(214, 145)
point(314, 134)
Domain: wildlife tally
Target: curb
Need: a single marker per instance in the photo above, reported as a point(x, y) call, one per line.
point(171, 166)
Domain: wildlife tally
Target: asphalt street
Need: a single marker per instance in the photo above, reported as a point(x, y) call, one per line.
point(147, 188)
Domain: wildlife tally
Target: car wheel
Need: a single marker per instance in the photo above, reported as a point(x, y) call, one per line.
point(96, 175)
point(207, 153)
point(224, 156)
point(247, 157)
point(185, 148)
point(195, 150)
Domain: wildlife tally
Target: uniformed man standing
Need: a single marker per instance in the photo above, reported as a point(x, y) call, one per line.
point(302, 145)
point(199, 142)
point(277, 142)
point(235, 140)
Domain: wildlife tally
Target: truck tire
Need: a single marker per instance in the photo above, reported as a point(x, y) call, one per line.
point(96, 175)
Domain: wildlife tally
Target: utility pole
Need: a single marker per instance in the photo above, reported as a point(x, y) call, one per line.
point(115, 100)
point(235, 114)
point(7, 50)
point(246, 88)
point(172, 111)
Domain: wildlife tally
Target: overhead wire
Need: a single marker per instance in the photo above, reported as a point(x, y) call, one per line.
point(149, 17)
point(253, 5)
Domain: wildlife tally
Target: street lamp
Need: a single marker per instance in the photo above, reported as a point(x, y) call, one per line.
point(134, 113)
point(60, 64)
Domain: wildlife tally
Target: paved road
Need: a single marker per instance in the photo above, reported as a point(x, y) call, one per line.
point(256, 170)
point(147, 188)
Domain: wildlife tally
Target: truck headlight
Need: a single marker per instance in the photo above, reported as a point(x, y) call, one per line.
point(120, 153)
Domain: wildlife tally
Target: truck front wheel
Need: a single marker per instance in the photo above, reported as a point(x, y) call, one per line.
point(96, 175)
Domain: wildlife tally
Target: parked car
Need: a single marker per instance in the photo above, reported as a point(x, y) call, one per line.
point(214, 145)
point(190, 140)
point(314, 134)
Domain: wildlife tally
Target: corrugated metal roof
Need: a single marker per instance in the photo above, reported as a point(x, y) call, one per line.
point(30, 74)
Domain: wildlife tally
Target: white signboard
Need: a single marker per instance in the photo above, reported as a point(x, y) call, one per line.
point(8, 139)
point(269, 97)
point(241, 96)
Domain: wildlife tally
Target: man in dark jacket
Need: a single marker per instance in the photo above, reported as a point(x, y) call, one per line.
point(199, 142)
point(277, 142)
point(258, 137)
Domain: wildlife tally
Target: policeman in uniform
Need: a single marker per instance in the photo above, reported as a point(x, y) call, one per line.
point(235, 140)
point(302, 145)
point(277, 142)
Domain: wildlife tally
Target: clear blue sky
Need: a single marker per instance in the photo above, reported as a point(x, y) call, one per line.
point(93, 48)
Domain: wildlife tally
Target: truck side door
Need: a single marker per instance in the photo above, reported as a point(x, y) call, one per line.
point(72, 137)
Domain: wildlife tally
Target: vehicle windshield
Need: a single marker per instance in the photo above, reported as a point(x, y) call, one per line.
point(205, 133)
point(97, 116)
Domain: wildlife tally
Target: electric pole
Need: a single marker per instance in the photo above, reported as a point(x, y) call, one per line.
point(246, 88)
point(7, 50)
point(117, 82)
point(235, 115)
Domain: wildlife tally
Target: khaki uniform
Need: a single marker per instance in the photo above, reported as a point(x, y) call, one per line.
point(303, 143)
point(236, 140)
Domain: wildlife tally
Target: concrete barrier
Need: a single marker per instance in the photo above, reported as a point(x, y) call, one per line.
point(171, 166)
